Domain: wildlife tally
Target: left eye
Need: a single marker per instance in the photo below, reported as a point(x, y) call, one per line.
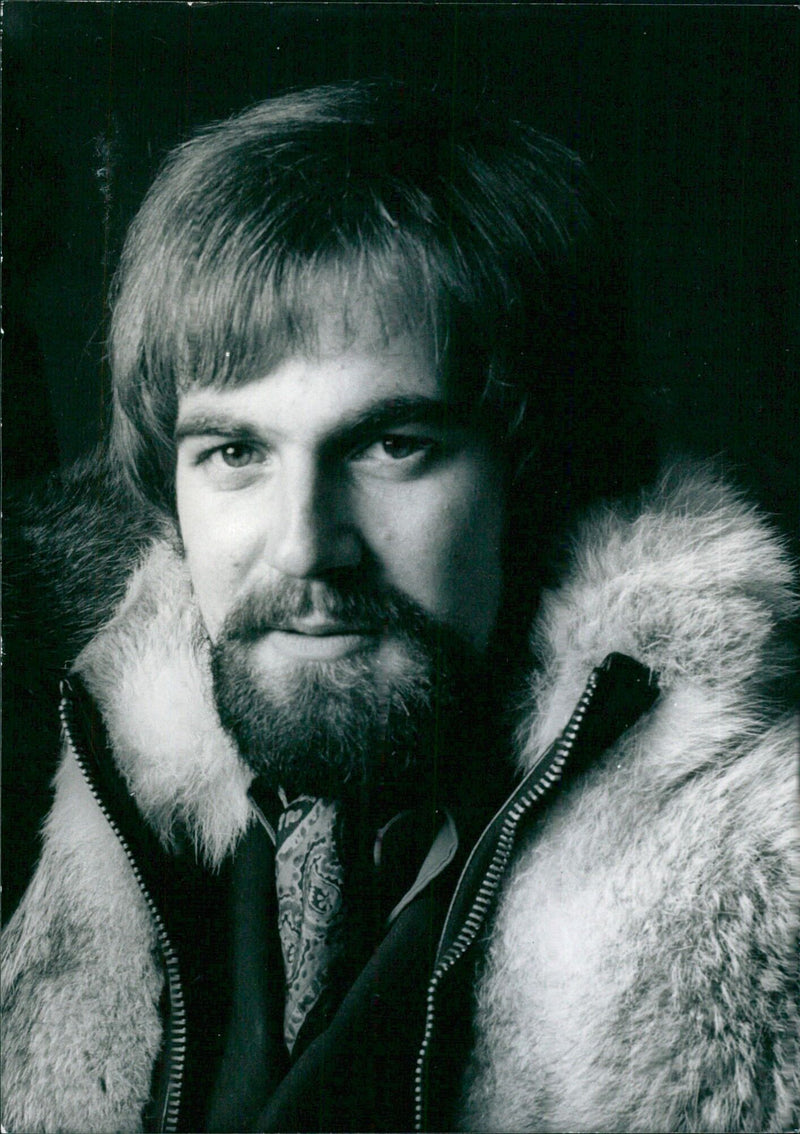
point(396, 447)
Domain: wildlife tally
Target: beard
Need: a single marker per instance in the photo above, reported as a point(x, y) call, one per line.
point(353, 724)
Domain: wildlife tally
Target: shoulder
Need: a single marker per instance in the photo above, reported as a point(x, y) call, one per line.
point(647, 931)
point(70, 545)
point(690, 579)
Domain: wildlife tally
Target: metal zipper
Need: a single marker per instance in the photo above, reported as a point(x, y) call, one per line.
point(177, 1025)
point(491, 879)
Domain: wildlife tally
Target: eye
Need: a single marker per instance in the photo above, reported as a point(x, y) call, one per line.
point(236, 454)
point(396, 447)
point(399, 447)
point(398, 456)
point(229, 464)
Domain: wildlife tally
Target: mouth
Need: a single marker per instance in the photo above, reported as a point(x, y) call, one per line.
point(318, 641)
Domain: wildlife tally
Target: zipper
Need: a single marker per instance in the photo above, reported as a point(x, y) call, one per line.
point(492, 877)
point(176, 1048)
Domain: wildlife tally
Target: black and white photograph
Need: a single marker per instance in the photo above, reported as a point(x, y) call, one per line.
point(400, 567)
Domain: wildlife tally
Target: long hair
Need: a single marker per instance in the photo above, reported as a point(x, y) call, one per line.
point(479, 228)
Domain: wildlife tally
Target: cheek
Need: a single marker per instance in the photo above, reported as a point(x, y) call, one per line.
point(217, 549)
point(471, 566)
point(446, 554)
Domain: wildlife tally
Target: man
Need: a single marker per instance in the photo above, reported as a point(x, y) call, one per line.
point(329, 849)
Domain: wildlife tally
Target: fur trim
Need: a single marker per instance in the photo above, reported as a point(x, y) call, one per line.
point(80, 981)
point(693, 583)
point(69, 550)
point(149, 669)
point(642, 972)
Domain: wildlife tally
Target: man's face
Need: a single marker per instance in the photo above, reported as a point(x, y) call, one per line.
point(338, 519)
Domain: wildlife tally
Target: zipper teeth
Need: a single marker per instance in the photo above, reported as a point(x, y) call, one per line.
point(178, 1008)
point(491, 881)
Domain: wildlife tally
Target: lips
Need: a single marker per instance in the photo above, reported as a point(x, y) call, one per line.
point(316, 641)
point(321, 629)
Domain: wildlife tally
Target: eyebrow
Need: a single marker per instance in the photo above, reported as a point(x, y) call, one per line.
point(212, 423)
point(382, 415)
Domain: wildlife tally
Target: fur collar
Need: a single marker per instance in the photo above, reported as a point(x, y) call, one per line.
point(692, 582)
point(149, 670)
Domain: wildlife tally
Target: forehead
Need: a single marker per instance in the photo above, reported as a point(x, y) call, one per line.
point(348, 375)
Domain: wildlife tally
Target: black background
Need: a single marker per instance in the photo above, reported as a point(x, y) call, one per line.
point(689, 117)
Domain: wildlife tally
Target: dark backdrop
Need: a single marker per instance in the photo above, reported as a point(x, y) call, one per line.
point(688, 115)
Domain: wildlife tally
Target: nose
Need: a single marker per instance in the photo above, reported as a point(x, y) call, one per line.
point(312, 531)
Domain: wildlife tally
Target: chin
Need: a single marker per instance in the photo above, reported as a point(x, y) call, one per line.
point(325, 727)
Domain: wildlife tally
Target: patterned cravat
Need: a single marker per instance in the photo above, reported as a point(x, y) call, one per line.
point(310, 915)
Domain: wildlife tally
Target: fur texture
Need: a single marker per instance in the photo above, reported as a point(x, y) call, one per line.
point(80, 979)
point(149, 669)
point(69, 548)
point(80, 976)
point(642, 969)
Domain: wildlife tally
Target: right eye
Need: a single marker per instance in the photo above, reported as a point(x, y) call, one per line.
point(229, 464)
point(235, 454)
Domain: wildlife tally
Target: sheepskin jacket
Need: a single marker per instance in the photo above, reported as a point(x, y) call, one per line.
point(637, 966)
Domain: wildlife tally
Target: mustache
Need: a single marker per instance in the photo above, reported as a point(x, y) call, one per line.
point(288, 601)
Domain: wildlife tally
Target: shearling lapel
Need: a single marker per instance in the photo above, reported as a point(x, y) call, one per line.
point(148, 669)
